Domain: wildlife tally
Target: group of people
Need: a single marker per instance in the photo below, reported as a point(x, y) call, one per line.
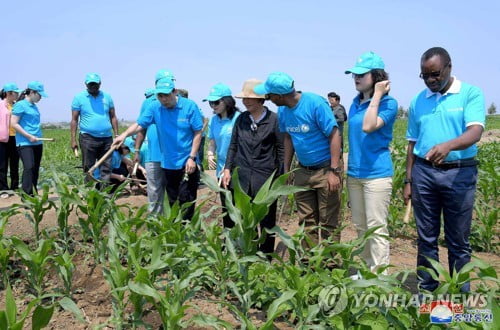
point(445, 121)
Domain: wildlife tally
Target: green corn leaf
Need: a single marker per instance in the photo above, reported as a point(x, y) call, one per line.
point(144, 289)
point(70, 306)
point(10, 306)
point(41, 317)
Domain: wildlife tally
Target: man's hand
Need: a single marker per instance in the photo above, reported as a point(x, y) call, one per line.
point(438, 153)
point(118, 140)
point(226, 178)
point(137, 157)
point(333, 181)
point(407, 192)
point(190, 166)
point(212, 165)
point(33, 139)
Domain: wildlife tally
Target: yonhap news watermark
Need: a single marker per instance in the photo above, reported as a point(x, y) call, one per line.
point(441, 308)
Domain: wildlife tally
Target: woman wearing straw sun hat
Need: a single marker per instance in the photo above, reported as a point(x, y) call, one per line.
point(26, 121)
point(256, 148)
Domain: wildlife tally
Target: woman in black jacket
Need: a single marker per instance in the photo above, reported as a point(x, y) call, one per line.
point(256, 148)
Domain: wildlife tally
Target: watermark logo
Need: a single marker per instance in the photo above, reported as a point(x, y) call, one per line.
point(333, 299)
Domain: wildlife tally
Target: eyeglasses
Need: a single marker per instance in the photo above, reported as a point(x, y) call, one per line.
point(214, 103)
point(435, 74)
point(358, 76)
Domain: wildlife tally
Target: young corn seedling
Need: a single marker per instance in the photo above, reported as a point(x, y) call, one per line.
point(37, 262)
point(65, 268)
point(36, 206)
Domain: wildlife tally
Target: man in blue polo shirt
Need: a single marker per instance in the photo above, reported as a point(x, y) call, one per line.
point(311, 131)
point(445, 121)
point(94, 110)
point(155, 177)
point(178, 121)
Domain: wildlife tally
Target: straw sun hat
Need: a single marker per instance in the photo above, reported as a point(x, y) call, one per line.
point(247, 90)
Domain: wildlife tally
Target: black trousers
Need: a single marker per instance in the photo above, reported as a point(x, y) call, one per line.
point(269, 222)
point(184, 191)
point(93, 149)
point(9, 158)
point(31, 157)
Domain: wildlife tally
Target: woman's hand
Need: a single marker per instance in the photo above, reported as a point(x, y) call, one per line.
point(382, 87)
point(226, 178)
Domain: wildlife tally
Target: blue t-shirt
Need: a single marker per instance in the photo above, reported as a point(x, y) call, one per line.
point(154, 151)
point(29, 119)
point(143, 152)
point(94, 113)
point(221, 131)
point(434, 118)
point(309, 124)
point(369, 154)
point(116, 160)
point(176, 128)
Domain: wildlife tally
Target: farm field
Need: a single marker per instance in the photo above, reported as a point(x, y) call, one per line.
point(76, 257)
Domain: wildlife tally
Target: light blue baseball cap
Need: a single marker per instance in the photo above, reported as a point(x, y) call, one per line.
point(37, 87)
point(92, 77)
point(367, 62)
point(164, 86)
point(277, 83)
point(164, 73)
point(11, 87)
point(149, 92)
point(217, 92)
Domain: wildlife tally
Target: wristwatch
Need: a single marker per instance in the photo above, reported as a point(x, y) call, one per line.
point(193, 158)
point(406, 181)
point(335, 169)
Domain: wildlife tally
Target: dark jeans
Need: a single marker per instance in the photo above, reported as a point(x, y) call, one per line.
point(93, 149)
point(31, 157)
point(182, 190)
point(201, 153)
point(9, 158)
point(269, 222)
point(450, 192)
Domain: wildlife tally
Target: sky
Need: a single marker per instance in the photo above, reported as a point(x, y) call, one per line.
point(207, 42)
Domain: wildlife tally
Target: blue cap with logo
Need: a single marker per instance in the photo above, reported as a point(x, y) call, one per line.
point(149, 92)
point(277, 83)
point(217, 92)
point(164, 86)
point(92, 78)
point(37, 87)
point(367, 62)
point(11, 87)
point(163, 73)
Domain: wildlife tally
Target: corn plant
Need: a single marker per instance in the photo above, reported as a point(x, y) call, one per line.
point(36, 206)
point(6, 250)
point(37, 262)
point(65, 268)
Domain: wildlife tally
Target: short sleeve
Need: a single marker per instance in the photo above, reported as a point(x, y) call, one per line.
point(412, 130)
point(18, 109)
point(111, 103)
point(324, 117)
point(210, 130)
point(146, 118)
point(281, 120)
point(76, 105)
point(388, 110)
point(475, 111)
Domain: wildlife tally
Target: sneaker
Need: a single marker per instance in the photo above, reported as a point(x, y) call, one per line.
point(4, 195)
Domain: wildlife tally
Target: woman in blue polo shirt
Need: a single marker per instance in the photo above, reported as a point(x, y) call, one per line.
point(369, 173)
point(26, 122)
point(220, 129)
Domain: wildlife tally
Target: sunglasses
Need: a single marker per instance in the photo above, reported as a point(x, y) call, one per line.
point(435, 74)
point(214, 103)
point(358, 76)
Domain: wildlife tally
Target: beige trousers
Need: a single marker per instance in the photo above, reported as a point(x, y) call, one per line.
point(370, 200)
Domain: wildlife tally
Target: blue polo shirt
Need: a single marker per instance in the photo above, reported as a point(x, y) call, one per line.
point(221, 131)
point(369, 154)
point(309, 124)
point(434, 118)
point(175, 128)
point(29, 119)
point(154, 151)
point(94, 113)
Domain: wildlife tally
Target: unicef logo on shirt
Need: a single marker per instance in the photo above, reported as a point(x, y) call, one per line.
point(304, 128)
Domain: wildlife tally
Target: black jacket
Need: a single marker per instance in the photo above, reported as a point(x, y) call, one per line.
point(257, 153)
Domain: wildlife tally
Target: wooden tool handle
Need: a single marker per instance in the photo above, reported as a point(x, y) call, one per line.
point(76, 152)
point(46, 139)
point(100, 161)
point(406, 218)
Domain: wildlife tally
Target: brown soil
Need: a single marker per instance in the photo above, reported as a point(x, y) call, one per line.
point(492, 135)
point(91, 292)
